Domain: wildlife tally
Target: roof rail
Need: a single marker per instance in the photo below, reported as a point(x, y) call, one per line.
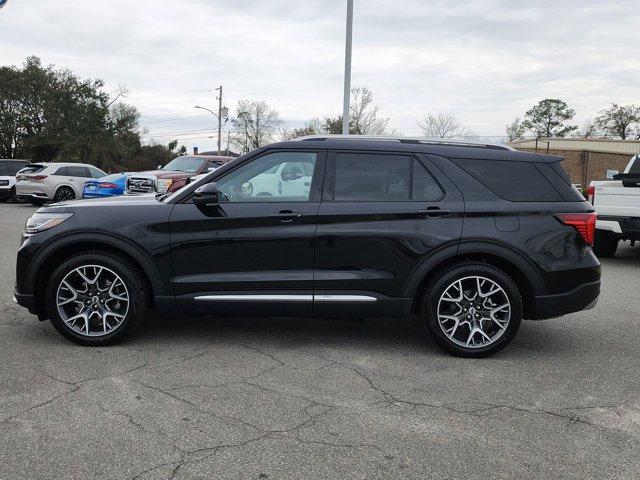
point(418, 140)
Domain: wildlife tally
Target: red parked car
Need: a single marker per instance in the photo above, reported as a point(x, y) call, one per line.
point(174, 175)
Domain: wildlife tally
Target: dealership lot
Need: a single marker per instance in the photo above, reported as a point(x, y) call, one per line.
point(295, 398)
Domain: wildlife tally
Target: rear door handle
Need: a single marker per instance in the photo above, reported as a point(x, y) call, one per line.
point(286, 215)
point(432, 212)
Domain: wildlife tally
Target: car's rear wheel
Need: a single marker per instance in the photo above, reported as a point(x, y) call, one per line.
point(95, 298)
point(14, 195)
point(606, 244)
point(64, 194)
point(472, 309)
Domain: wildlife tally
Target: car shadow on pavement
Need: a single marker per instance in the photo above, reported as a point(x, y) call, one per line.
point(406, 335)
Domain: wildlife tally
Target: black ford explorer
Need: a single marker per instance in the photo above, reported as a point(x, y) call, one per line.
point(472, 238)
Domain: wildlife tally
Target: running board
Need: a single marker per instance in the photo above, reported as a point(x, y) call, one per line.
point(286, 298)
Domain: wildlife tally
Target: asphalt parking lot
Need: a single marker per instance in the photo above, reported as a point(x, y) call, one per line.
point(292, 398)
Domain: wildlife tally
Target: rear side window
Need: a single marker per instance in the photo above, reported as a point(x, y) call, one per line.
point(372, 177)
point(77, 172)
point(425, 188)
point(60, 171)
point(514, 181)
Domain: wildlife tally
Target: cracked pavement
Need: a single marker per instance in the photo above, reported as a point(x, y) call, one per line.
point(281, 398)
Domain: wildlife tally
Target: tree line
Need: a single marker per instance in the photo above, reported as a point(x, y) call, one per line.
point(49, 114)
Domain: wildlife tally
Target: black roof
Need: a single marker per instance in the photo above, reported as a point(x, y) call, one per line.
point(479, 151)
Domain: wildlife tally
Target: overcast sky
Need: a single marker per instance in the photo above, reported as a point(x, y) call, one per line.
point(486, 61)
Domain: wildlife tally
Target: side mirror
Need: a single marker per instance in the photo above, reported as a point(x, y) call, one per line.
point(206, 195)
point(159, 167)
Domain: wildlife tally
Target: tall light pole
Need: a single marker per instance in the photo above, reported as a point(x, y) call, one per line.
point(347, 70)
point(223, 112)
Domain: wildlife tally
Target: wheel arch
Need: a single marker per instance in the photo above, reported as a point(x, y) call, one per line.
point(46, 261)
point(70, 187)
point(520, 269)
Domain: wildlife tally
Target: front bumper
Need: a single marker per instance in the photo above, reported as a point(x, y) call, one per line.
point(583, 297)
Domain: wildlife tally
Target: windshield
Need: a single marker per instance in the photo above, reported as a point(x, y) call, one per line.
point(185, 164)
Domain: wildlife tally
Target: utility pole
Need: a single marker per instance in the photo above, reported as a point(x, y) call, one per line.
point(223, 112)
point(347, 70)
point(219, 120)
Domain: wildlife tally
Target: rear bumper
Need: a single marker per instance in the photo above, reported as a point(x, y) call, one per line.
point(624, 227)
point(583, 297)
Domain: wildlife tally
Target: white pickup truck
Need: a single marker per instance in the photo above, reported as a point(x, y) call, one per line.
point(617, 203)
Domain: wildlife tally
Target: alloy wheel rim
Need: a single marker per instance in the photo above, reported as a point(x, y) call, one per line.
point(474, 312)
point(92, 300)
point(65, 194)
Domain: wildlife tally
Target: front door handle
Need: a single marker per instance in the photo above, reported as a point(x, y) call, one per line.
point(286, 216)
point(432, 212)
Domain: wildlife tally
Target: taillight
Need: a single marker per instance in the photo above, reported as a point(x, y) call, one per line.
point(107, 185)
point(36, 177)
point(591, 194)
point(584, 223)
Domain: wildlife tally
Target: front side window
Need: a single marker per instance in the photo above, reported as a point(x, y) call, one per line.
point(275, 177)
point(96, 172)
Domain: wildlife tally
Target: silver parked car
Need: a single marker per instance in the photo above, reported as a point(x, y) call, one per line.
point(42, 182)
point(8, 170)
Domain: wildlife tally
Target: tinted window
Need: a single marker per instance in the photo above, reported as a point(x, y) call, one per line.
point(275, 177)
point(372, 177)
point(515, 181)
point(4, 168)
point(11, 168)
point(61, 171)
point(425, 187)
point(77, 172)
point(34, 168)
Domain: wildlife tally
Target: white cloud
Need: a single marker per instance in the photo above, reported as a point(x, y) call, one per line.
point(486, 61)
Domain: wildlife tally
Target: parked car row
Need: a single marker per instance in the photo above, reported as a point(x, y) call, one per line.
point(39, 183)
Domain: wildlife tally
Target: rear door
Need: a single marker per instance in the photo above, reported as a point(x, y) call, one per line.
point(381, 213)
point(77, 176)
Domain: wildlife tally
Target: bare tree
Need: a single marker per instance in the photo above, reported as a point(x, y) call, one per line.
point(255, 124)
point(619, 120)
point(443, 125)
point(312, 127)
point(516, 130)
point(364, 114)
point(589, 130)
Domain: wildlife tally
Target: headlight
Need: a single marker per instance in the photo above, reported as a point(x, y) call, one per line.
point(163, 185)
point(39, 222)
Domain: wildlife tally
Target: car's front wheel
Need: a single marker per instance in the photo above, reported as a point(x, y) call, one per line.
point(472, 309)
point(95, 298)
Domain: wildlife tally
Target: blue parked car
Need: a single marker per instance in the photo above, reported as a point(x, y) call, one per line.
point(109, 186)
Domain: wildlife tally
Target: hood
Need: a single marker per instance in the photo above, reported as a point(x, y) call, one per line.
point(122, 200)
point(169, 174)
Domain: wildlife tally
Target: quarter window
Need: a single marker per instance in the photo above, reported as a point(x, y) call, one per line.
point(275, 177)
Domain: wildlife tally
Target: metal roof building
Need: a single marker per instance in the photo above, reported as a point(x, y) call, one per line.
point(627, 147)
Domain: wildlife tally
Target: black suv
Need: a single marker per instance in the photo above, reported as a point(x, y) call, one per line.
point(470, 237)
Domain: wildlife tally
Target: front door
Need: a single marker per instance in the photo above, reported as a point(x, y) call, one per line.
point(254, 251)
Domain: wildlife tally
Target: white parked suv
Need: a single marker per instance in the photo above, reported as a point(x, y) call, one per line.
point(43, 182)
point(8, 170)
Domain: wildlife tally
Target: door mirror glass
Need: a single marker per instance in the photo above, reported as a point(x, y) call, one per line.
point(206, 195)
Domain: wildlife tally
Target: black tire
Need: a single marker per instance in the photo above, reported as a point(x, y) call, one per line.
point(125, 270)
point(37, 202)
point(444, 279)
point(63, 194)
point(14, 195)
point(606, 244)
